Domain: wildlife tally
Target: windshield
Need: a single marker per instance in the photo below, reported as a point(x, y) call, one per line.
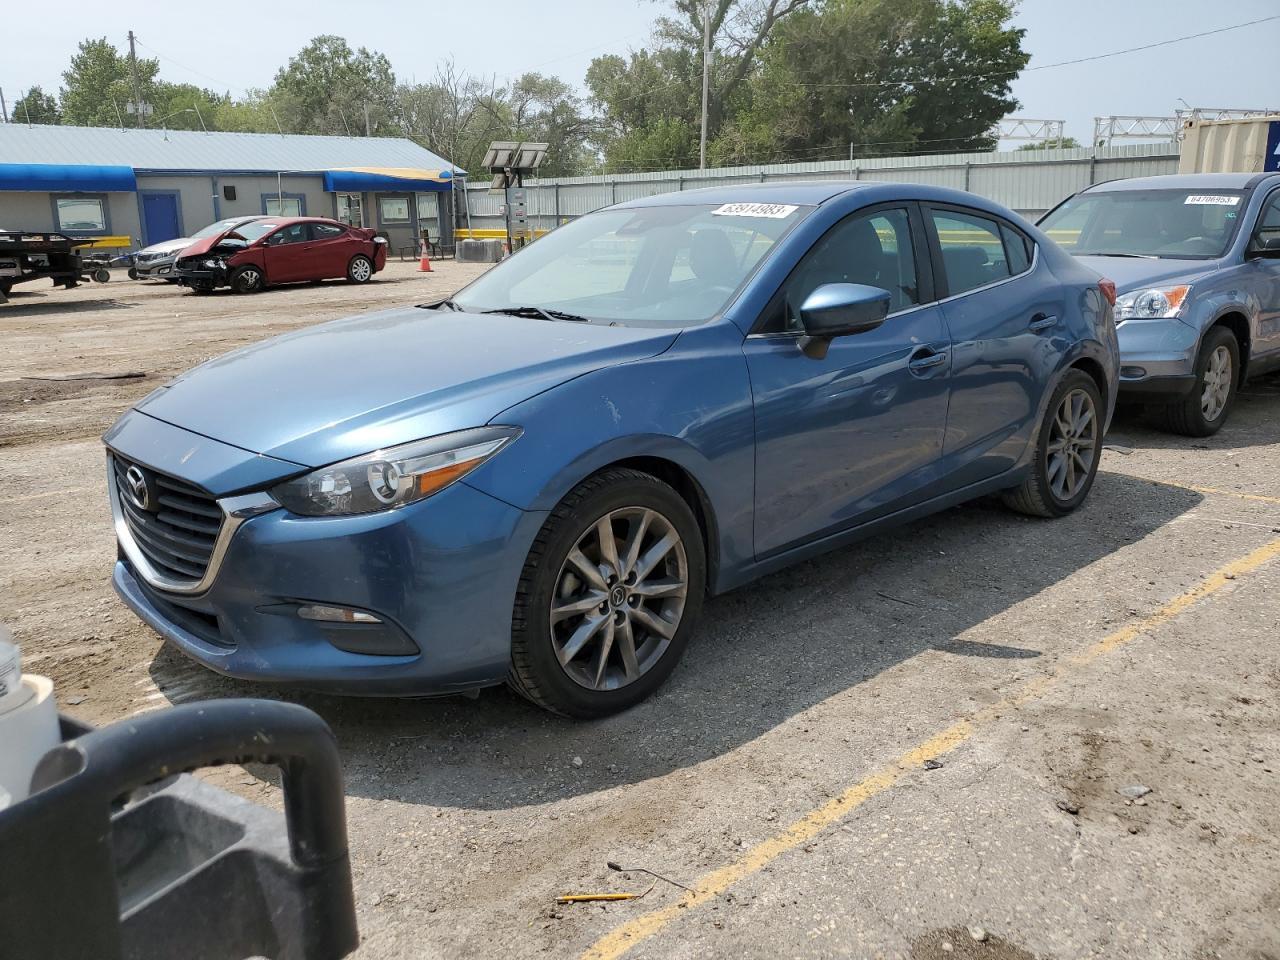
point(1176, 224)
point(254, 229)
point(213, 229)
point(667, 266)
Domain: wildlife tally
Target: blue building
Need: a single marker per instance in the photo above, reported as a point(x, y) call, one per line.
point(154, 185)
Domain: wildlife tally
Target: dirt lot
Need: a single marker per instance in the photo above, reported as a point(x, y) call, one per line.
point(862, 756)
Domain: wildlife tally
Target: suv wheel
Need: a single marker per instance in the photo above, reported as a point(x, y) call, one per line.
point(1204, 410)
point(1068, 448)
point(609, 596)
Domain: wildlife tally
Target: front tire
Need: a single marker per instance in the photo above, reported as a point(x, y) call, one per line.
point(1204, 410)
point(360, 269)
point(609, 596)
point(1068, 449)
point(247, 279)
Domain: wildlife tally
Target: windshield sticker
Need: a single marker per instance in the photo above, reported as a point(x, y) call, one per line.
point(1208, 199)
point(771, 211)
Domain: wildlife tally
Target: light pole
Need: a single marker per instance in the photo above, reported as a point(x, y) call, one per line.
point(706, 80)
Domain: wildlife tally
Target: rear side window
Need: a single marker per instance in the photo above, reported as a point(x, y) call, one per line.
point(326, 231)
point(1017, 249)
point(973, 253)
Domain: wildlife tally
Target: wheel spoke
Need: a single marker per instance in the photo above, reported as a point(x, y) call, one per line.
point(654, 589)
point(635, 538)
point(589, 571)
point(608, 543)
point(602, 659)
point(584, 604)
point(626, 640)
point(652, 623)
point(654, 555)
point(578, 639)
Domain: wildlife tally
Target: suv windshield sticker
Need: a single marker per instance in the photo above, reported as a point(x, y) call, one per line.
point(1210, 199)
point(773, 211)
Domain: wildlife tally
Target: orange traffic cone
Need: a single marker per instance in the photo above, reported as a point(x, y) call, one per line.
point(424, 264)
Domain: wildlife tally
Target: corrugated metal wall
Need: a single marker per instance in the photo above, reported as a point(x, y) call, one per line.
point(1030, 182)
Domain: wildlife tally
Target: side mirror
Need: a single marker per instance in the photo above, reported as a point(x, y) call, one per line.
point(839, 310)
point(1260, 249)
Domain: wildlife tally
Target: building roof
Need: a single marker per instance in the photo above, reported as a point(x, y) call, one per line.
point(181, 150)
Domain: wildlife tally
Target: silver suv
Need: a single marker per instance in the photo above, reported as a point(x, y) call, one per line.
point(1196, 263)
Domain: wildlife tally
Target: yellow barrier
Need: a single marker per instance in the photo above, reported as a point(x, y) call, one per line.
point(488, 233)
point(120, 241)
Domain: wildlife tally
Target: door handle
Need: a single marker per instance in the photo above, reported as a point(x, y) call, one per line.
point(1042, 321)
point(925, 359)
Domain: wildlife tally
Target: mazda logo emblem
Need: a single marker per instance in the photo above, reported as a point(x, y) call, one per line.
point(139, 491)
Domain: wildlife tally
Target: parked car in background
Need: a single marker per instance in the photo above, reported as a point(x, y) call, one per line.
point(540, 479)
point(159, 261)
point(266, 251)
point(1196, 261)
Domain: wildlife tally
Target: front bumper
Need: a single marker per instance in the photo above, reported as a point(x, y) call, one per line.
point(1157, 357)
point(156, 269)
point(441, 575)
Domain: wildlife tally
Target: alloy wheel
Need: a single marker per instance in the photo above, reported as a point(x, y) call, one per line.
point(619, 598)
point(361, 270)
point(250, 279)
point(1217, 384)
point(1073, 445)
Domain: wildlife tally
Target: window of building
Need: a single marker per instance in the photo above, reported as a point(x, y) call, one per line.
point(393, 209)
point(972, 250)
point(81, 214)
point(351, 209)
point(278, 206)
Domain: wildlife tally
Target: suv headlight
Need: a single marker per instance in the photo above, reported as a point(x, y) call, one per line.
point(390, 478)
point(1152, 304)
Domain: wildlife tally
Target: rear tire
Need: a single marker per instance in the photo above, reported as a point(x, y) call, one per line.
point(1068, 448)
point(1203, 411)
point(360, 269)
point(623, 614)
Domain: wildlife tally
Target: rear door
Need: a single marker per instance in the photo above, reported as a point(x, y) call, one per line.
point(1267, 271)
point(858, 433)
point(290, 254)
point(332, 246)
point(1004, 313)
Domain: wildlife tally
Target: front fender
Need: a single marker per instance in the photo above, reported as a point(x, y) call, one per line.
point(690, 406)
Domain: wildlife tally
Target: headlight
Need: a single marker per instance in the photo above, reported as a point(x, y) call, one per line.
point(390, 478)
point(212, 264)
point(1158, 302)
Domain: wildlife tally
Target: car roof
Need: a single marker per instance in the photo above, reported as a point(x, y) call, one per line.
point(1184, 181)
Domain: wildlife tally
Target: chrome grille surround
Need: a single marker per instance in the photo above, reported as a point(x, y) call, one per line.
point(178, 558)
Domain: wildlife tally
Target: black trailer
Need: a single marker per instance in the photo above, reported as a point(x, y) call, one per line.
point(55, 256)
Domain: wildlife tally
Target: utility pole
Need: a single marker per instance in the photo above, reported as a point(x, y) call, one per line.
point(706, 80)
point(4, 108)
point(133, 73)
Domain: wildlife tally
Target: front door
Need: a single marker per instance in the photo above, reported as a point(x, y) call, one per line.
point(160, 221)
point(289, 255)
point(858, 433)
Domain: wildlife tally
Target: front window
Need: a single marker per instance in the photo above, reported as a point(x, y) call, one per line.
point(82, 214)
point(282, 206)
point(1169, 224)
point(663, 266)
point(394, 209)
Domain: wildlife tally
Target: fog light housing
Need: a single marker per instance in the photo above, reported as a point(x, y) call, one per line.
point(1133, 373)
point(331, 614)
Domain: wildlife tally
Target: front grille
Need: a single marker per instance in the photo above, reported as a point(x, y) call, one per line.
point(178, 530)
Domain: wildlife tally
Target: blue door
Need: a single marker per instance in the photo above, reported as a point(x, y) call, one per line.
point(858, 433)
point(160, 218)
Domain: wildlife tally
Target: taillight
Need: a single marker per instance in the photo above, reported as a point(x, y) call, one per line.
point(1108, 288)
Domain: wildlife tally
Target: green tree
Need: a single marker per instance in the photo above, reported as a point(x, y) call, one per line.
point(1063, 144)
point(97, 87)
point(184, 106)
point(329, 88)
point(36, 107)
point(887, 76)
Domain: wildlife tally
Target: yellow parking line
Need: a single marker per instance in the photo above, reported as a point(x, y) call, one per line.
point(622, 938)
point(1256, 497)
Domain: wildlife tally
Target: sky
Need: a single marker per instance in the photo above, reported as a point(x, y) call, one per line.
point(244, 44)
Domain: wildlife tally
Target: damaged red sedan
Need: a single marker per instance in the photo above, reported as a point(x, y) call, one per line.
point(274, 250)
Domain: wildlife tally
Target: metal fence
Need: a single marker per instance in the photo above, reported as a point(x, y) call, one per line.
point(1030, 181)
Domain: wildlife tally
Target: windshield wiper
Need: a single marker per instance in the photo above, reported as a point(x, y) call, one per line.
point(440, 305)
point(1136, 256)
point(539, 313)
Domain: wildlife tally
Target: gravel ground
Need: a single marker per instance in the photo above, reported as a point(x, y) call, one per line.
point(1039, 667)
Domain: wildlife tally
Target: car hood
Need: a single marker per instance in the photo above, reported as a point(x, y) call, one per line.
point(168, 246)
point(1134, 272)
point(344, 388)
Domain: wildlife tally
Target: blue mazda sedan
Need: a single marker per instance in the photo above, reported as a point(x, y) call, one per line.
point(539, 480)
